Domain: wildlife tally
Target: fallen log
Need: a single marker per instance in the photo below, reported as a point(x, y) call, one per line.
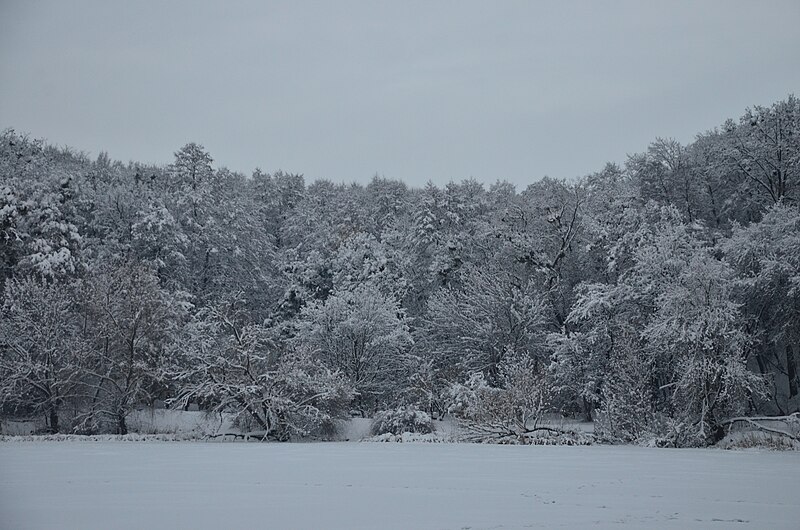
point(754, 421)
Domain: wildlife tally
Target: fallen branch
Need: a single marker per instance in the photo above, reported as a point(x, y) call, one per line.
point(754, 421)
point(506, 432)
point(795, 416)
point(244, 436)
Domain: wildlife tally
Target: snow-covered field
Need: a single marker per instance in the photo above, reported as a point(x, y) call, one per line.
point(106, 485)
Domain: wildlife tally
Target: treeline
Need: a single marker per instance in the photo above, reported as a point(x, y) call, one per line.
point(660, 298)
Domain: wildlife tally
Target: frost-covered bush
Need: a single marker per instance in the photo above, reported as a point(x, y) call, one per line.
point(424, 390)
point(523, 396)
point(627, 414)
point(401, 420)
point(511, 411)
point(468, 399)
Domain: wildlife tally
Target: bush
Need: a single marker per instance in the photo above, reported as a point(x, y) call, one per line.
point(400, 420)
point(520, 402)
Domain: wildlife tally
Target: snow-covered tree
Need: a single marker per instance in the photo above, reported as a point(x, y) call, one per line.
point(664, 174)
point(674, 311)
point(362, 259)
point(41, 349)
point(191, 174)
point(767, 258)
point(227, 363)
point(362, 333)
point(38, 222)
point(699, 334)
point(764, 147)
point(471, 328)
point(650, 294)
point(130, 321)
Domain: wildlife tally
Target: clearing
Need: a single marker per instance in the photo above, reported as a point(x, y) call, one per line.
point(101, 485)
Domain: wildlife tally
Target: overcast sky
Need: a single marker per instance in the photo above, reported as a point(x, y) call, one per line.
point(412, 90)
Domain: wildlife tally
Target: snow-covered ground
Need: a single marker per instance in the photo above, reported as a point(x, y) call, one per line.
point(104, 485)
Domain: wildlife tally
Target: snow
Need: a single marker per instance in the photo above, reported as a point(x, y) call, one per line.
point(99, 485)
point(21, 427)
point(354, 429)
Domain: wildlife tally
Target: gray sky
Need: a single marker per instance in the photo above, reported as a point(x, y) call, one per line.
point(411, 90)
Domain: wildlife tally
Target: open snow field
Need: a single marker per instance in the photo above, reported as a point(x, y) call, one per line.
point(106, 485)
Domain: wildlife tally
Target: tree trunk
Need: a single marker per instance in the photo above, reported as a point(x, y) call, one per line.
point(52, 414)
point(791, 370)
point(122, 427)
point(587, 409)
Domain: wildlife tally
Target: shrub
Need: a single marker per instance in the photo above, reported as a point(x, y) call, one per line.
point(400, 420)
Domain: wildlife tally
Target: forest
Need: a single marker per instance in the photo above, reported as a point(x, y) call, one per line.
point(659, 298)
